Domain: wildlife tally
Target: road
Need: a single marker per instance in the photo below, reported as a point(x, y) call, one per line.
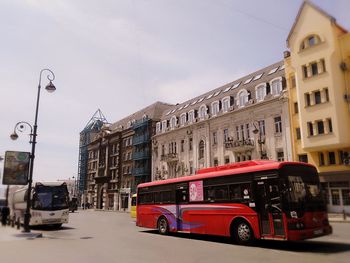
point(95, 236)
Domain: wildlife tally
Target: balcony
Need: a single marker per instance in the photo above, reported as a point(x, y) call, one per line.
point(141, 171)
point(240, 145)
point(141, 155)
point(170, 157)
point(144, 138)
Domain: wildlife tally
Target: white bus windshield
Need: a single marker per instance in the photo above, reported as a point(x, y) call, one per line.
point(50, 198)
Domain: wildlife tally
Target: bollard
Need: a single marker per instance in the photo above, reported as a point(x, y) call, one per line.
point(12, 222)
point(344, 214)
point(18, 223)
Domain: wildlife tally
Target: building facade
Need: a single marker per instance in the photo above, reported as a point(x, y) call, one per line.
point(317, 72)
point(119, 159)
point(242, 120)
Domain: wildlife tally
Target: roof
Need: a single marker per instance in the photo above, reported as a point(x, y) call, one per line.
point(238, 168)
point(248, 82)
point(153, 111)
point(321, 11)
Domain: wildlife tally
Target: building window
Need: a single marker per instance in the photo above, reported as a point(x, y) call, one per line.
point(173, 122)
point(226, 135)
point(216, 162)
point(321, 159)
point(215, 108)
point(227, 159)
point(314, 69)
point(303, 158)
point(260, 92)
point(331, 158)
point(280, 156)
point(296, 110)
point(320, 127)
point(317, 97)
point(164, 126)
point(310, 128)
point(330, 127)
point(191, 116)
point(158, 127)
point(278, 124)
point(201, 149)
point(247, 129)
point(335, 196)
point(225, 104)
point(276, 87)
point(215, 138)
point(262, 127)
point(242, 133)
point(183, 119)
point(346, 196)
point(307, 99)
point(326, 94)
point(242, 98)
point(305, 72)
point(238, 158)
point(182, 146)
point(298, 133)
point(202, 112)
point(190, 144)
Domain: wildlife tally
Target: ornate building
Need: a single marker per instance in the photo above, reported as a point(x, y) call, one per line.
point(242, 120)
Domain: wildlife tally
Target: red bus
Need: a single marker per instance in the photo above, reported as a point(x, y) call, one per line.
point(246, 201)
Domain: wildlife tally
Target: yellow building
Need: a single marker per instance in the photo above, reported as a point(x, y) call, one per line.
point(318, 78)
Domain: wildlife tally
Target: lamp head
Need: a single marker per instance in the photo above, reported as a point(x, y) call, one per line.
point(14, 136)
point(50, 87)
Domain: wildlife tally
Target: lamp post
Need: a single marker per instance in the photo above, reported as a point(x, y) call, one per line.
point(20, 126)
point(261, 141)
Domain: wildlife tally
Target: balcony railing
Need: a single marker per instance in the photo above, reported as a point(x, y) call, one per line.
point(141, 171)
point(140, 123)
point(144, 138)
point(170, 157)
point(141, 155)
point(240, 145)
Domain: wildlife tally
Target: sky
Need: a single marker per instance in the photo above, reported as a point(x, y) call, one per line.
point(121, 56)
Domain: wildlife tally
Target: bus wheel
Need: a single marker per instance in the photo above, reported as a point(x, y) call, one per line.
point(243, 233)
point(163, 227)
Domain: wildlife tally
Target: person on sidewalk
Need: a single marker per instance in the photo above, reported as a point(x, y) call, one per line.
point(5, 211)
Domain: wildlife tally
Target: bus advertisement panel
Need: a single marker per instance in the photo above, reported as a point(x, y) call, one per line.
point(246, 201)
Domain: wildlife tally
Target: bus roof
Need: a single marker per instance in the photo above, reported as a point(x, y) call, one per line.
point(229, 169)
point(50, 183)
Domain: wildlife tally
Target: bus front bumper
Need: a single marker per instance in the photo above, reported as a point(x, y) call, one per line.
point(295, 235)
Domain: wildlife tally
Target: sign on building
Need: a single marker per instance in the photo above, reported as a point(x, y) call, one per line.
point(16, 168)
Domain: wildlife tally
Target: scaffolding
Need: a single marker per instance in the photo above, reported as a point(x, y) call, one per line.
point(92, 127)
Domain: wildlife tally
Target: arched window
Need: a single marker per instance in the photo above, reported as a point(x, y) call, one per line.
point(158, 127)
point(242, 98)
point(276, 86)
point(183, 119)
point(202, 111)
point(173, 122)
point(260, 92)
point(191, 116)
point(215, 108)
point(310, 41)
point(226, 104)
point(201, 150)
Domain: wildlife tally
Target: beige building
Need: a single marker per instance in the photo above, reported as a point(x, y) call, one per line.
point(242, 120)
point(317, 72)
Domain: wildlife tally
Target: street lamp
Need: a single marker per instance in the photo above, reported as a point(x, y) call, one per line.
point(20, 126)
point(261, 141)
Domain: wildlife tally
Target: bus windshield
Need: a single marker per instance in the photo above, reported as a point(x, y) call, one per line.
point(303, 190)
point(50, 198)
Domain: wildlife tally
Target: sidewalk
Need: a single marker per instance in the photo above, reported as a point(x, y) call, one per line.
point(333, 217)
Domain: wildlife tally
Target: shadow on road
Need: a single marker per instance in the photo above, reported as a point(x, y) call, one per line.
point(310, 246)
point(51, 228)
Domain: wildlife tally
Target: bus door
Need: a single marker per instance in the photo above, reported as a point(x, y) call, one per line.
point(268, 201)
point(181, 199)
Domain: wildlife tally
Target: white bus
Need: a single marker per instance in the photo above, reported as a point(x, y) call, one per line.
point(49, 206)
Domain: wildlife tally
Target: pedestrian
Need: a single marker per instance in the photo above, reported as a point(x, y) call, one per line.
point(5, 211)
